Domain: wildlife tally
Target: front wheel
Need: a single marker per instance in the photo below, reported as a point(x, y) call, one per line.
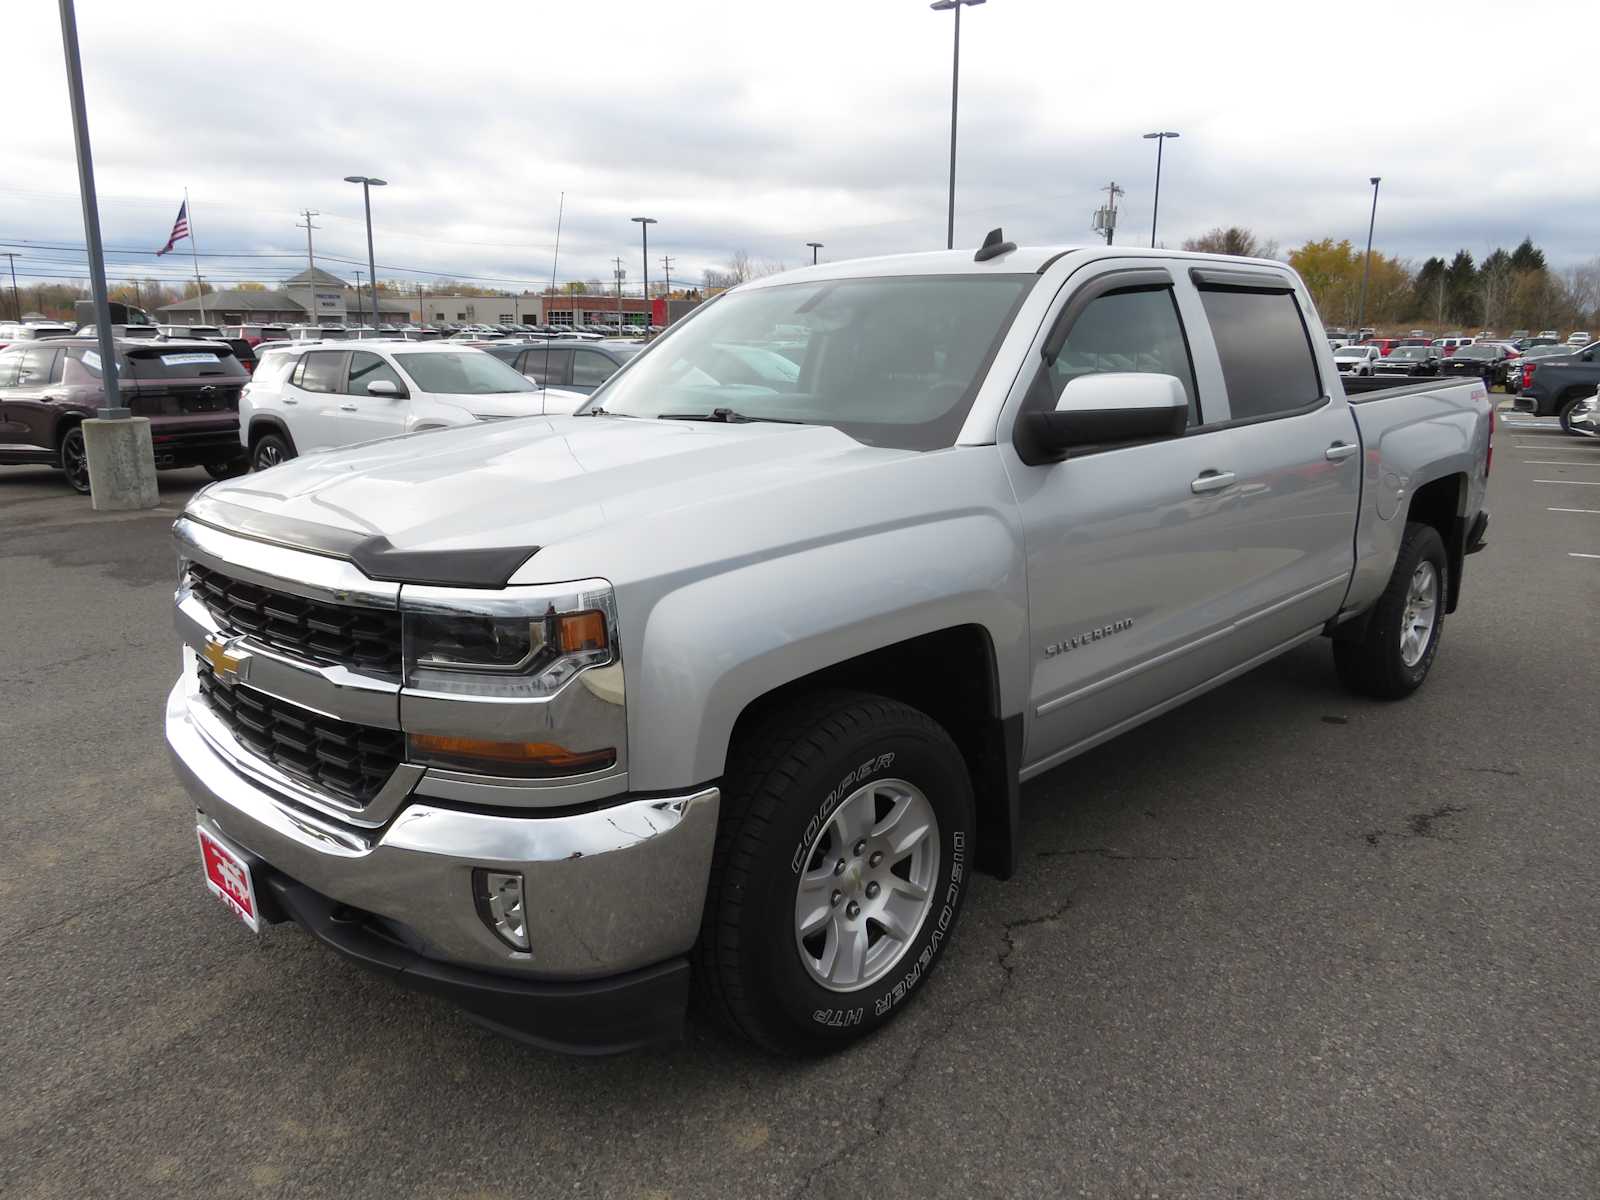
point(841, 862)
point(1393, 656)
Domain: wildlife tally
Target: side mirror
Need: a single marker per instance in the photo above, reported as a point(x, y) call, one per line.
point(533, 379)
point(1103, 411)
point(384, 387)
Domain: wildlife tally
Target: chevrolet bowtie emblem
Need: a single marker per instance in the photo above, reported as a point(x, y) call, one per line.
point(230, 666)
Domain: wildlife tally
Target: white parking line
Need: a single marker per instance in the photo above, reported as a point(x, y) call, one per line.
point(1571, 482)
point(1557, 462)
point(1594, 511)
point(1575, 554)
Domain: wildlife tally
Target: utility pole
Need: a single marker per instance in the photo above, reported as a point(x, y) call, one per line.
point(1366, 269)
point(666, 303)
point(311, 262)
point(1105, 217)
point(617, 273)
point(360, 312)
point(15, 300)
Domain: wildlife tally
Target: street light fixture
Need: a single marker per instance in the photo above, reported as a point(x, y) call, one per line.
point(1361, 313)
point(644, 233)
point(1160, 137)
point(815, 246)
point(955, 89)
point(367, 184)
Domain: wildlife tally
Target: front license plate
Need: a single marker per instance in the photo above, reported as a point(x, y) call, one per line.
point(228, 878)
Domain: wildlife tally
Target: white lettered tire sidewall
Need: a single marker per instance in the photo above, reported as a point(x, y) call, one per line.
point(920, 754)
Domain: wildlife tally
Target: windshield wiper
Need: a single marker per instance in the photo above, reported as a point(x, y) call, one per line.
point(604, 412)
point(727, 416)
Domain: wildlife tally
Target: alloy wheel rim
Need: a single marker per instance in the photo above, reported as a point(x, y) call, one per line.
point(74, 460)
point(867, 886)
point(268, 456)
point(1421, 612)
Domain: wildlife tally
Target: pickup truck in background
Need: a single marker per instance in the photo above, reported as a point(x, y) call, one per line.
point(736, 673)
point(1557, 385)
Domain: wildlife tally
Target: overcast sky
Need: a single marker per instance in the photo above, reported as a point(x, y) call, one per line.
point(760, 126)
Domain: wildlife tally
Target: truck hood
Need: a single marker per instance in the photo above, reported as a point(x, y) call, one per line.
point(468, 506)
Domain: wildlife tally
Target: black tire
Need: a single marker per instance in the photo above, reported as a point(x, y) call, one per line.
point(228, 469)
point(1567, 408)
point(1374, 665)
point(269, 450)
point(785, 779)
point(74, 459)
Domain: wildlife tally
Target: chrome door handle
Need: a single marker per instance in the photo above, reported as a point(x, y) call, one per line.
point(1339, 451)
point(1211, 481)
point(347, 408)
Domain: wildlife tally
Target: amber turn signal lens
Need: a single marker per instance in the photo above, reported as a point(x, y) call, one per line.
point(576, 632)
point(530, 757)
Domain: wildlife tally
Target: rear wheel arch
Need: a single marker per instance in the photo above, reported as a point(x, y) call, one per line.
point(952, 676)
point(261, 426)
point(1442, 504)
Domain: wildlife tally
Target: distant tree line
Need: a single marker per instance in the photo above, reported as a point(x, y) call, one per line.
point(1508, 289)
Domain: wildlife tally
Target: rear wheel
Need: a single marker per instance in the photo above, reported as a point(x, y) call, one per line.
point(1393, 656)
point(75, 459)
point(227, 469)
point(1568, 407)
point(841, 862)
point(269, 450)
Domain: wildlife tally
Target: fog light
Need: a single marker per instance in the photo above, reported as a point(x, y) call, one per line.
point(500, 904)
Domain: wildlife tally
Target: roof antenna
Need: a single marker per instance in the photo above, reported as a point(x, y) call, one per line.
point(993, 246)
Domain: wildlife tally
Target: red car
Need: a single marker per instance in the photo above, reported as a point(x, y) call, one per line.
point(1384, 345)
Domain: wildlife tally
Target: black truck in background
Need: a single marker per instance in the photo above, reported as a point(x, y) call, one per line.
point(1557, 385)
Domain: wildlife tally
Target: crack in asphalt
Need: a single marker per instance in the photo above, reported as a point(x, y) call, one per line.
point(877, 1125)
point(1116, 855)
point(23, 934)
point(1492, 770)
point(1418, 825)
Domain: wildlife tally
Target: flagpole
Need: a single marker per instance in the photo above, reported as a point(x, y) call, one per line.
point(194, 255)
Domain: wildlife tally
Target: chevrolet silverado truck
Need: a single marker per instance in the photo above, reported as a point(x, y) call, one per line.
point(733, 676)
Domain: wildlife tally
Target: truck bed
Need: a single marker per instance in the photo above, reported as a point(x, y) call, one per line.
point(1412, 435)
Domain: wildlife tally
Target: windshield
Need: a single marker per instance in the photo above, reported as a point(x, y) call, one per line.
point(1406, 353)
point(1476, 352)
point(1545, 351)
point(1351, 352)
point(889, 361)
point(467, 373)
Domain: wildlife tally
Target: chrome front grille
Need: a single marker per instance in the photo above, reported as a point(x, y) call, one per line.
point(347, 761)
point(363, 639)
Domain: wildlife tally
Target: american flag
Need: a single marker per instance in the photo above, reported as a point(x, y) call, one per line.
point(180, 229)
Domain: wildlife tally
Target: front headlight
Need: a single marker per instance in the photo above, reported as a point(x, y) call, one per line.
point(491, 666)
point(519, 643)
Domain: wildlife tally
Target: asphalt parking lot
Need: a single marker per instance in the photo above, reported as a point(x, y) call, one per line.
point(1280, 943)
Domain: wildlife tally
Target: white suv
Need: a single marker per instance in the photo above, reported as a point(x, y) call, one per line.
point(318, 396)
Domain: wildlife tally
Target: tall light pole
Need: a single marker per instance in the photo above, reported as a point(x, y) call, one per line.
point(1161, 140)
point(644, 232)
point(1366, 270)
point(955, 91)
point(815, 246)
point(367, 184)
point(15, 299)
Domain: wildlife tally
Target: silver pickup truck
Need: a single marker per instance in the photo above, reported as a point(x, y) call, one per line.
point(735, 674)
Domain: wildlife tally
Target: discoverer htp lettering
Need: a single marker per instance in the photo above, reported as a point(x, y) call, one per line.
point(952, 893)
point(814, 826)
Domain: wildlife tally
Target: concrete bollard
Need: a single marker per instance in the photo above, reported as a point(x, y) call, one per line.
point(122, 463)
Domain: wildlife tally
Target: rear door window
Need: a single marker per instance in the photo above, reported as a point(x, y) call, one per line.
point(10, 360)
point(322, 370)
point(1265, 351)
point(547, 367)
point(590, 368)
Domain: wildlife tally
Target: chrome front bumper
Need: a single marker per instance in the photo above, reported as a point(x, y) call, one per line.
point(607, 890)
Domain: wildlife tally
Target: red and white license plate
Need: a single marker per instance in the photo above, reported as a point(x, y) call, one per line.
point(228, 878)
